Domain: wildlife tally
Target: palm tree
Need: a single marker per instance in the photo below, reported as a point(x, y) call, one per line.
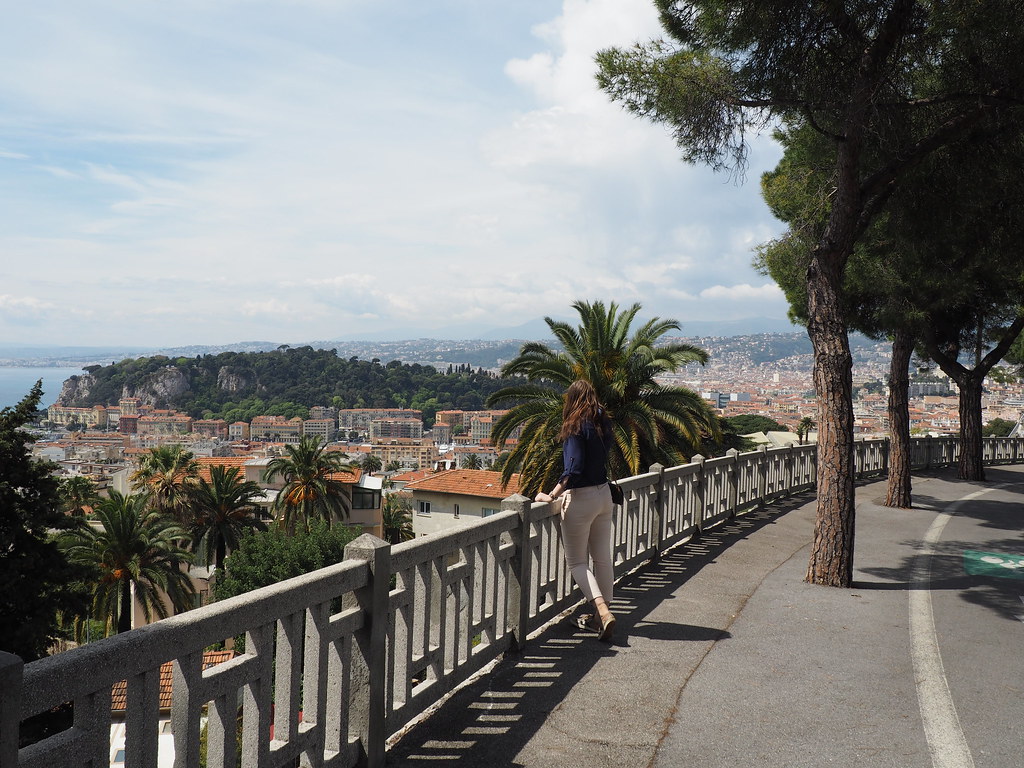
point(397, 518)
point(77, 492)
point(393, 466)
point(310, 490)
point(222, 509)
point(167, 473)
point(370, 464)
point(135, 547)
point(803, 429)
point(651, 422)
point(472, 461)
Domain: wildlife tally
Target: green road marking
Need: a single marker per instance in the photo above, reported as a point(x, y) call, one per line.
point(997, 564)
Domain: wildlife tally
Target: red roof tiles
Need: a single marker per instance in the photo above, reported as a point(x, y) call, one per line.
point(467, 482)
point(119, 692)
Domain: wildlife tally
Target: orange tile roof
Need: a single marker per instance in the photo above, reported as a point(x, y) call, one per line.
point(206, 463)
point(347, 477)
point(467, 482)
point(119, 692)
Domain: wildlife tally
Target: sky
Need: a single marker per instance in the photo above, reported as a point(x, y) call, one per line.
point(205, 172)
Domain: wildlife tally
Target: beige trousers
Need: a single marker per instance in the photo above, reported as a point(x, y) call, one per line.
point(587, 535)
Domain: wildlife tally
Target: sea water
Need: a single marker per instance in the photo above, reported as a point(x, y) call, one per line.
point(15, 383)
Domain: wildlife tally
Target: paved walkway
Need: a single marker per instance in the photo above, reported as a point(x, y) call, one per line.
point(724, 656)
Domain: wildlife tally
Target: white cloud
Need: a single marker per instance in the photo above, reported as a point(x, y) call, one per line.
point(60, 173)
point(20, 310)
point(267, 308)
point(743, 292)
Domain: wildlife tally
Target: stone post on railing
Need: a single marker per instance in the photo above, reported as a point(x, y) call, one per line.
point(367, 703)
point(522, 571)
point(698, 492)
point(11, 670)
point(657, 510)
point(734, 481)
point(762, 476)
point(789, 471)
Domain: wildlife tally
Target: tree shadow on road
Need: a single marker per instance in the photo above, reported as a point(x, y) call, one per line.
point(998, 593)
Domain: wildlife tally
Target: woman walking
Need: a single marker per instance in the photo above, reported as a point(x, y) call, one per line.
point(586, 501)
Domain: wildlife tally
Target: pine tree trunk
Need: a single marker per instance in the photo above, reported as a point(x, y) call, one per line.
point(899, 421)
point(970, 467)
point(831, 561)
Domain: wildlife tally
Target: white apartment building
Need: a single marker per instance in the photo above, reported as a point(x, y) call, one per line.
point(455, 498)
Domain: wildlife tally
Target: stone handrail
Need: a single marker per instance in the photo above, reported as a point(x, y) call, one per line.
point(338, 660)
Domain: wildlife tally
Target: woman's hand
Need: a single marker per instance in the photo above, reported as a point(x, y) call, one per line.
point(543, 497)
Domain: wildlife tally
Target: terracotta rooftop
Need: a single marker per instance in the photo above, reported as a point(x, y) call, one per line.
point(467, 482)
point(347, 477)
point(119, 693)
point(206, 463)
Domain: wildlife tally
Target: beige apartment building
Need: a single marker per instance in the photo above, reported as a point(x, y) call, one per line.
point(382, 429)
point(96, 417)
point(238, 431)
point(325, 429)
point(276, 428)
point(211, 428)
point(162, 423)
point(406, 451)
point(474, 426)
point(358, 419)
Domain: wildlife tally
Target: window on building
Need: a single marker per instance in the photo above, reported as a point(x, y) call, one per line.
point(487, 512)
point(424, 508)
point(456, 510)
point(365, 498)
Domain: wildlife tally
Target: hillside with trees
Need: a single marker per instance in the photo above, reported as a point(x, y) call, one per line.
point(236, 386)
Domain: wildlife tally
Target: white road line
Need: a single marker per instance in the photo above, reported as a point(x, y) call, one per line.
point(946, 740)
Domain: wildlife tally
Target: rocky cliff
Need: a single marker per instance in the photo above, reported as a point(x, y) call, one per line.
point(160, 389)
point(234, 380)
point(76, 391)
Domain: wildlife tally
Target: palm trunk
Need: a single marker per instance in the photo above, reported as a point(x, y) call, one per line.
point(831, 561)
point(899, 421)
point(124, 610)
point(970, 466)
point(220, 553)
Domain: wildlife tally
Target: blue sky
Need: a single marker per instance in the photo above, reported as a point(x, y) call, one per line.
point(206, 172)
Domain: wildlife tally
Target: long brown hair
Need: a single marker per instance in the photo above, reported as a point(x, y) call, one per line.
point(581, 405)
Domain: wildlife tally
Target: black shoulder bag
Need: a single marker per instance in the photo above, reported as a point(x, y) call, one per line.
point(618, 497)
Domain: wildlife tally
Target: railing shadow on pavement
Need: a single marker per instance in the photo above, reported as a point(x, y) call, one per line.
point(487, 721)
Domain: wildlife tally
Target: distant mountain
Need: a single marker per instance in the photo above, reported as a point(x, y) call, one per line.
point(537, 329)
point(748, 326)
point(479, 346)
